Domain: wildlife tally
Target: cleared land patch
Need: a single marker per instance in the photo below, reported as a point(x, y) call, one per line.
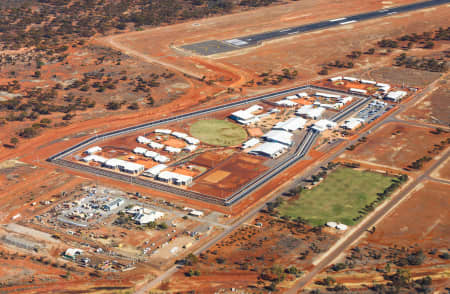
point(339, 198)
point(218, 132)
point(434, 108)
point(396, 145)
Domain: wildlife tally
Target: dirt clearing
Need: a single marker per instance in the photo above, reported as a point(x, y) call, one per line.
point(396, 145)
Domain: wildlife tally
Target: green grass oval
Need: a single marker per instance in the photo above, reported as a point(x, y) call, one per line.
point(218, 132)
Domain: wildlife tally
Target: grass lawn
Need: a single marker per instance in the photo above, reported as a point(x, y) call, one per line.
point(218, 132)
point(338, 198)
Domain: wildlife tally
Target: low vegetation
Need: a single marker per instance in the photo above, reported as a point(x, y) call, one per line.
point(218, 132)
point(341, 197)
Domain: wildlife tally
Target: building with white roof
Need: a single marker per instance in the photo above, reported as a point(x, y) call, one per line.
point(327, 95)
point(73, 253)
point(161, 159)
point(291, 97)
point(192, 140)
point(124, 166)
point(395, 96)
point(292, 124)
point(310, 111)
point(175, 178)
point(250, 143)
point(171, 149)
point(335, 79)
point(342, 227)
point(286, 103)
point(269, 149)
point(254, 108)
point(163, 131)
point(197, 213)
point(94, 158)
point(352, 123)
point(145, 216)
point(143, 140)
point(350, 79)
point(346, 99)
point(278, 136)
point(190, 148)
point(331, 224)
point(151, 154)
point(302, 94)
point(384, 87)
point(93, 150)
point(246, 117)
point(357, 91)
point(324, 124)
point(139, 150)
point(155, 145)
point(369, 82)
point(179, 135)
point(154, 171)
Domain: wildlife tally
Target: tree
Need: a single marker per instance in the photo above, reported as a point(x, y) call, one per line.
point(191, 259)
point(113, 105)
point(37, 74)
point(14, 141)
point(133, 106)
point(323, 72)
point(429, 45)
point(328, 281)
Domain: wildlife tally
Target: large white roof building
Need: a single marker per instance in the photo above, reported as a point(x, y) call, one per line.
point(180, 135)
point(143, 140)
point(352, 123)
point(278, 136)
point(163, 131)
point(175, 178)
point(95, 158)
point(156, 145)
point(395, 96)
point(292, 124)
point(310, 111)
point(286, 103)
point(246, 117)
point(125, 166)
point(250, 143)
point(139, 150)
point(269, 149)
point(154, 171)
point(324, 124)
point(93, 150)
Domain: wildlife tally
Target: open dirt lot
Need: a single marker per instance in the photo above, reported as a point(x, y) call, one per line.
point(231, 174)
point(443, 172)
point(396, 145)
point(434, 108)
point(253, 255)
point(414, 244)
point(403, 76)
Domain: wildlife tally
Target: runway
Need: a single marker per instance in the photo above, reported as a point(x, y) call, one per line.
point(211, 47)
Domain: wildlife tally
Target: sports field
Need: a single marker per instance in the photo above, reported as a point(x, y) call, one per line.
point(218, 132)
point(338, 198)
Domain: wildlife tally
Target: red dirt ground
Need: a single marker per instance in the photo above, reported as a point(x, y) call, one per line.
point(434, 108)
point(239, 169)
point(396, 145)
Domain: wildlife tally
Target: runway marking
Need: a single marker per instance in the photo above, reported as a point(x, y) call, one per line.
point(337, 19)
point(347, 22)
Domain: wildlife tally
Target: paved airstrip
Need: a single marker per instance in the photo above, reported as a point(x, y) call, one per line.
point(211, 47)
